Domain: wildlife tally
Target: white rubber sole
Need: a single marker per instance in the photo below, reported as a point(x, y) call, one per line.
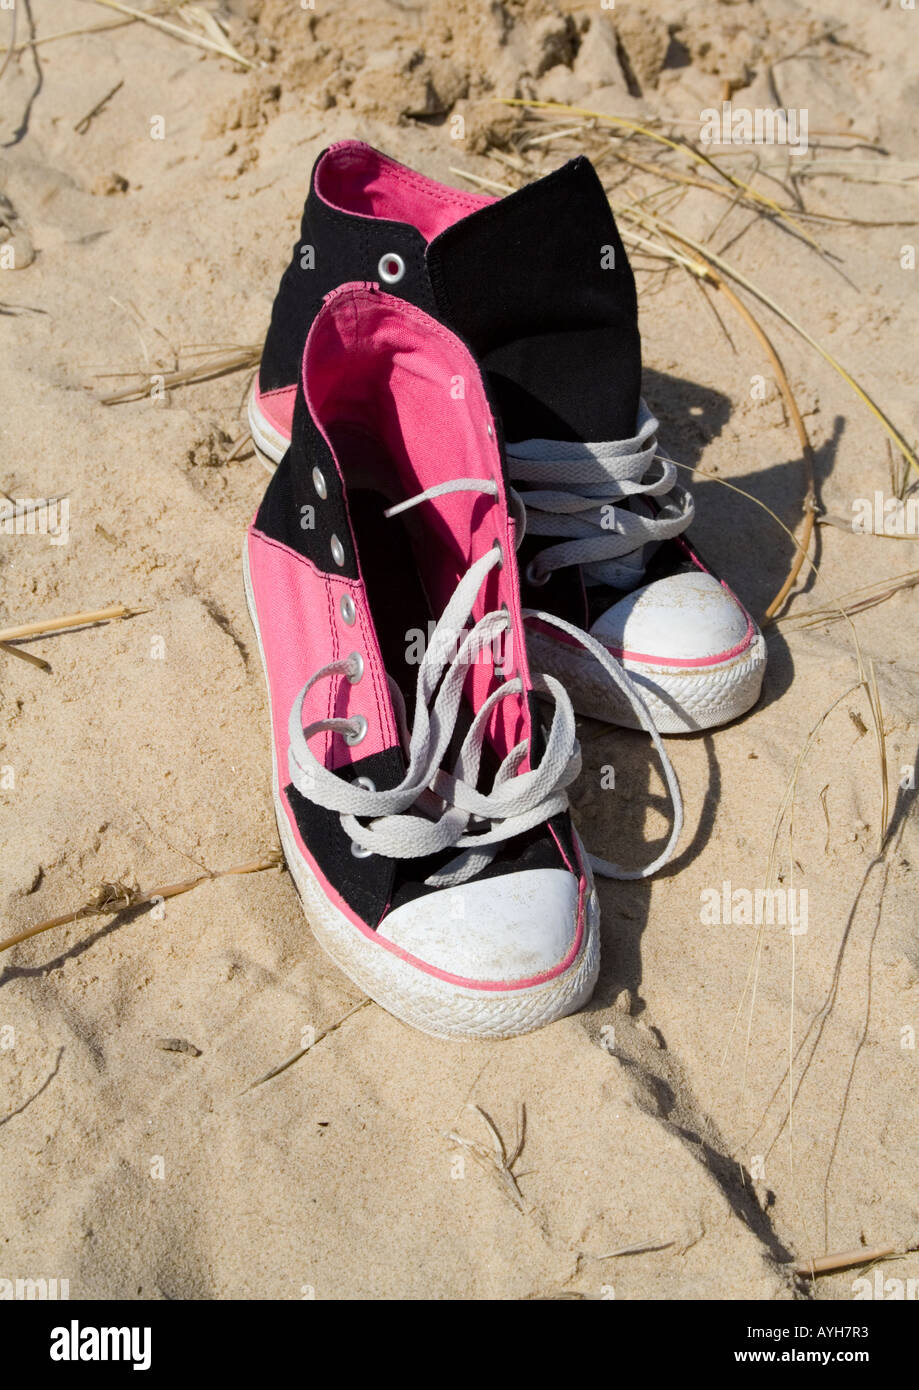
point(270, 444)
point(427, 1002)
point(680, 702)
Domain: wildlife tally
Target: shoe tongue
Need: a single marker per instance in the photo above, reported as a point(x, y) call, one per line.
point(539, 284)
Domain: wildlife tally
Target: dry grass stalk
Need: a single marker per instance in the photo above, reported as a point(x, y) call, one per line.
point(644, 1247)
point(874, 700)
point(827, 1264)
point(496, 1161)
point(856, 601)
point(302, 1051)
point(95, 615)
point(225, 49)
point(732, 273)
point(214, 365)
point(83, 124)
point(114, 898)
point(682, 147)
point(710, 186)
point(65, 34)
point(25, 656)
point(23, 508)
point(658, 225)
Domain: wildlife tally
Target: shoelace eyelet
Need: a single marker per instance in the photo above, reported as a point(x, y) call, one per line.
point(503, 672)
point(338, 550)
point(357, 850)
point(356, 662)
point(319, 483)
point(347, 609)
point(359, 732)
point(391, 268)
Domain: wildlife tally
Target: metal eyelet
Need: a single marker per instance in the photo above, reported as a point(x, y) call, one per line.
point(505, 673)
point(360, 731)
point(491, 433)
point(497, 546)
point(338, 550)
point(356, 662)
point(391, 268)
point(319, 483)
point(357, 850)
point(347, 609)
point(533, 578)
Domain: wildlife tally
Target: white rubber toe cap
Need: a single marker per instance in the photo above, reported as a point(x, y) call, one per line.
point(685, 617)
point(518, 927)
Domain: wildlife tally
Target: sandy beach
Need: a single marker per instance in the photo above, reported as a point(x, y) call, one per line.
point(738, 1098)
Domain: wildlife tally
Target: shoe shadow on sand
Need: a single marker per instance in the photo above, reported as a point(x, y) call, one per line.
point(612, 825)
point(746, 547)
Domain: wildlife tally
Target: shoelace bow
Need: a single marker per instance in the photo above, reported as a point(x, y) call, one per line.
point(430, 809)
point(584, 492)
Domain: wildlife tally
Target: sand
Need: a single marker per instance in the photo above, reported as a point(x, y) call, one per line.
point(658, 1117)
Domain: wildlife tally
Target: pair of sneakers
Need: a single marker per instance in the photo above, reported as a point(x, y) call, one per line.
point(469, 537)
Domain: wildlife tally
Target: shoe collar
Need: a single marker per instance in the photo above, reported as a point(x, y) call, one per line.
point(352, 177)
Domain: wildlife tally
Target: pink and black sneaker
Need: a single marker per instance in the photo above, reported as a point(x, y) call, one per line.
point(421, 804)
point(539, 285)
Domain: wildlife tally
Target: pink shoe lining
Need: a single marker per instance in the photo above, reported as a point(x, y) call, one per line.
point(413, 385)
point(355, 178)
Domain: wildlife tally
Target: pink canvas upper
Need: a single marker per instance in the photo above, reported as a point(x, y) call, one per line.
point(278, 407)
point(288, 587)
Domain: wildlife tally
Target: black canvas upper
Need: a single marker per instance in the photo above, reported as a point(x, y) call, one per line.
point(537, 283)
point(282, 514)
point(344, 248)
point(540, 285)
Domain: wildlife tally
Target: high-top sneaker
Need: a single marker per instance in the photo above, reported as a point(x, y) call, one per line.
point(459, 908)
point(539, 284)
point(421, 805)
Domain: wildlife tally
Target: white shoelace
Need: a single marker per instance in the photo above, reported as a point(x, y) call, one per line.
point(586, 492)
point(430, 809)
